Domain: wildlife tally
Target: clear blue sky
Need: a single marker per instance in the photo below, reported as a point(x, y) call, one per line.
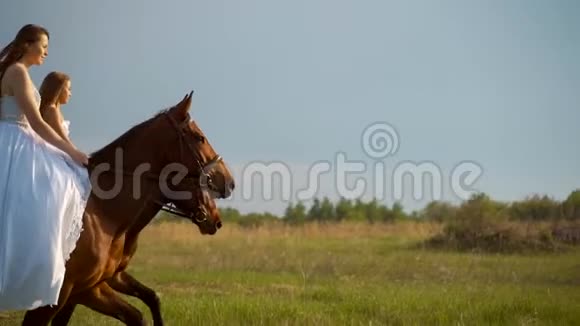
point(495, 82)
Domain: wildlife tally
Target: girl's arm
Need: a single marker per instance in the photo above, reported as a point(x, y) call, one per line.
point(53, 118)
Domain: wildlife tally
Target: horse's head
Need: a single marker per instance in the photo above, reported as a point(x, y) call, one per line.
point(202, 211)
point(191, 150)
point(180, 165)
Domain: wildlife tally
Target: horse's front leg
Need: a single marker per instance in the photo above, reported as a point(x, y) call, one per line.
point(126, 284)
point(102, 298)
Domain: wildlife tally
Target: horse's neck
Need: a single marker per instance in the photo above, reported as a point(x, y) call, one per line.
point(131, 158)
point(126, 211)
point(129, 162)
point(132, 234)
point(143, 220)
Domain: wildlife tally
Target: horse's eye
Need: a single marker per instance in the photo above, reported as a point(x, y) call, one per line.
point(201, 139)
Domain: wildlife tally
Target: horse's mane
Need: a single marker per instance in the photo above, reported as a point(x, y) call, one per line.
point(122, 140)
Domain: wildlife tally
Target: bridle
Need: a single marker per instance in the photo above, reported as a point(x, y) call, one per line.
point(203, 176)
point(204, 172)
point(199, 216)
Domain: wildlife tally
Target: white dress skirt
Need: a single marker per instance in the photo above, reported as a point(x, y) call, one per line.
point(43, 194)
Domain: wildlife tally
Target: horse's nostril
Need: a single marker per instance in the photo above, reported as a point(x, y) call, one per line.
point(218, 225)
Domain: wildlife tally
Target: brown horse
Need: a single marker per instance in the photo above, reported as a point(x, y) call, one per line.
point(206, 215)
point(166, 159)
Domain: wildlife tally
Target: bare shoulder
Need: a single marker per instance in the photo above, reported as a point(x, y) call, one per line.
point(15, 78)
point(51, 108)
point(16, 69)
point(50, 114)
point(17, 73)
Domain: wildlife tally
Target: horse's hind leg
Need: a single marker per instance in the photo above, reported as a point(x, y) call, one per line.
point(42, 316)
point(126, 284)
point(102, 298)
point(64, 315)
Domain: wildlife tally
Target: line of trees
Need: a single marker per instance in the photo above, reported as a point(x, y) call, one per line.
point(354, 210)
point(533, 208)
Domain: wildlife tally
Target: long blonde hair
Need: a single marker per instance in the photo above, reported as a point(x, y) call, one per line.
point(51, 89)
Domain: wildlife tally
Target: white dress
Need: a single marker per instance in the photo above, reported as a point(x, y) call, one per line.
point(43, 194)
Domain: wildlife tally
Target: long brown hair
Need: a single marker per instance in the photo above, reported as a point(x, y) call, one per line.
point(51, 89)
point(14, 51)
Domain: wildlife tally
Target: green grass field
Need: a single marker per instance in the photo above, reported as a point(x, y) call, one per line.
point(346, 274)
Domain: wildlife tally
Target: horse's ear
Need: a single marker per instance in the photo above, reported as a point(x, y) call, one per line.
point(182, 108)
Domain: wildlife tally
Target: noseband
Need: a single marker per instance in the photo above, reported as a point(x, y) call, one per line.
point(198, 217)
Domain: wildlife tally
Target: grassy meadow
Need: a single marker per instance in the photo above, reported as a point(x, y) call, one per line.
point(343, 274)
